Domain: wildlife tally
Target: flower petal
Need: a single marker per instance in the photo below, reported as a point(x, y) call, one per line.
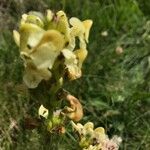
point(16, 36)
point(87, 24)
point(89, 125)
point(43, 111)
point(78, 127)
point(71, 63)
point(49, 15)
point(34, 18)
point(34, 76)
point(63, 25)
point(81, 54)
point(77, 26)
point(30, 35)
point(45, 53)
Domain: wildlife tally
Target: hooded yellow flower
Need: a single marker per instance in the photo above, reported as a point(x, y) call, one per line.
point(43, 111)
point(71, 63)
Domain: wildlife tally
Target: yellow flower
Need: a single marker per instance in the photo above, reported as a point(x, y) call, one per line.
point(81, 54)
point(63, 25)
point(99, 135)
point(84, 130)
point(43, 111)
point(71, 63)
point(34, 18)
point(16, 36)
point(81, 30)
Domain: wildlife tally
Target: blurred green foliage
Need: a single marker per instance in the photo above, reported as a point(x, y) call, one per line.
point(115, 86)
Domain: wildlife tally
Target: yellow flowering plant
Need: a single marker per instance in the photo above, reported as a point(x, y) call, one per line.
point(51, 56)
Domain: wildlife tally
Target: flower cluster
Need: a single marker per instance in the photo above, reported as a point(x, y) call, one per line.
point(95, 139)
point(42, 38)
point(50, 52)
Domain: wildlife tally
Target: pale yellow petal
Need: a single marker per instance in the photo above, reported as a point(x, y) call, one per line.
point(71, 44)
point(89, 125)
point(30, 35)
point(81, 54)
point(44, 55)
point(100, 130)
point(99, 134)
point(24, 18)
point(87, 24)
point(78, 29)
point(16, 36)
point(69, 55)
point(34, 18)
point(49, 47)
point(43, 111)
point(33, 76)
point(63, 25)
point(77, 26)
point(78, 127)
point(49, 15)
point(71, 62)
point(31, 79)
point(55, 37)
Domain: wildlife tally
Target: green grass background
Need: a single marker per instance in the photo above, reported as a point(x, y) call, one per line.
point(114, 88)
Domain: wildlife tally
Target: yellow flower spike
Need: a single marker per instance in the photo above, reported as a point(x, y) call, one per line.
point(34, 76)
point(81, 54)
point(16, 36)
point(43, 38)
point(87, 24)
point(30, 35)
point(43, 112)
